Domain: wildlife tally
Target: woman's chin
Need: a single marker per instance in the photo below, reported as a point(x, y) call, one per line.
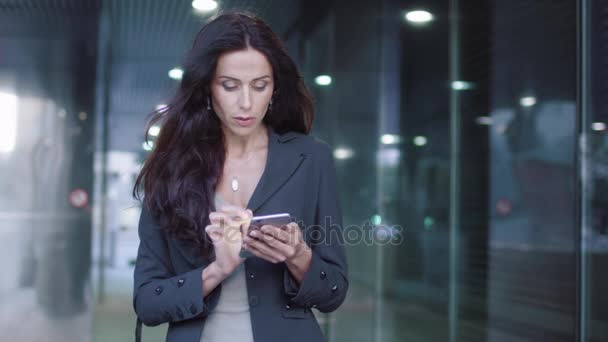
point(245, 130)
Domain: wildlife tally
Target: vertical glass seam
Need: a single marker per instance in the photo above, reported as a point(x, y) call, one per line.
point(583, 176)
point(454, 171)
point(101, 142)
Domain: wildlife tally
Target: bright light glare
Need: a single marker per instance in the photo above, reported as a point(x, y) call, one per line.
point(204, 5)
point(343, 153)
point(389, 139)
point(176, 73)
point(8, 122)
point(462, 85)
point(527, 101)
point(154, 131)
point(418, 17)
point(484, 120)
point(161, 107)
point(420, 141)
point(388, 156)
point(376, 219)
point(148, 146)
point(323, 80)
point(598, 126)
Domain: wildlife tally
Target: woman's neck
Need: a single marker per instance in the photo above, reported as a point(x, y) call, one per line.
point(239, 147)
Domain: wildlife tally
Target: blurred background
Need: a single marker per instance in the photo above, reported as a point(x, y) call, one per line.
point(472, 134)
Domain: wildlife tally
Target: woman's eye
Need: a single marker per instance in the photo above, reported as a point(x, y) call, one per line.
point(260, 87)
point(229, 86)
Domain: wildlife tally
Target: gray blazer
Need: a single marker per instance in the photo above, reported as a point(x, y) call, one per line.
point(300, 179)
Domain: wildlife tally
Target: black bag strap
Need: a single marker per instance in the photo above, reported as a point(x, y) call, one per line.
point(138, 330)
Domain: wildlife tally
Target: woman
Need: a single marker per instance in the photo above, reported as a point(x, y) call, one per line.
point(234, 143)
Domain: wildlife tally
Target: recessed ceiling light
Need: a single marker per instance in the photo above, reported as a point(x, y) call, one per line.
point(343, 153)
point(154, 131)
point(419, 17)
point(389, 139)
point(420, 141)
point(598, 126)
point(176, 73)
point(204, 5)
point(527, 101)
point(323, 80)
point(462, 85)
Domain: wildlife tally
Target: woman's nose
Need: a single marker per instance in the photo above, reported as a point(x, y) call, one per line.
point(245, 99)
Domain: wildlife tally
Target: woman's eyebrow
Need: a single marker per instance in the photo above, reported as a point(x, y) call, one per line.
point(236, 79)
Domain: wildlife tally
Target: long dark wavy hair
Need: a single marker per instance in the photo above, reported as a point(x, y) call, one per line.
point(180, 175)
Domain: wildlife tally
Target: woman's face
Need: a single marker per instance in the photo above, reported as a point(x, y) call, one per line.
point(241, 90)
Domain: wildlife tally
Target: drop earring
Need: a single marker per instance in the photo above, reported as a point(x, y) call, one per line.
point(208, 104)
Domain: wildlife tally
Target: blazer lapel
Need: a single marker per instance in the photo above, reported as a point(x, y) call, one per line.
point(281, 163)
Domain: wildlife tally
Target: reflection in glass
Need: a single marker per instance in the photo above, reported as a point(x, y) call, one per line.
point(8, 122)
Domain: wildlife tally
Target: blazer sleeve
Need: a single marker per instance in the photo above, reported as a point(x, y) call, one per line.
point(325, 284)
point(160, 295)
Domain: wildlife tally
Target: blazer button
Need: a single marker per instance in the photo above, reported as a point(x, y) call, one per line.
point(287, 307)
point(180, 282)
point(251, 275)
point(159, 290)
point(254, 301)
point(323, 275)
point(334, 288)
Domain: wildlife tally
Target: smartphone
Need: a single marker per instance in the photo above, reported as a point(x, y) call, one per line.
point(257, 222)
point(277, 220)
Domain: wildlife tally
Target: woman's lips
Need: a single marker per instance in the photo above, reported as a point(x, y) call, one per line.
point(244, 121)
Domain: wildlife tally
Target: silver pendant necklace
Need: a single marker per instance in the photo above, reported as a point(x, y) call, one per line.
point(234, 184)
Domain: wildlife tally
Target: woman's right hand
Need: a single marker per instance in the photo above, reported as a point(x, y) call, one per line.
point(226, 233)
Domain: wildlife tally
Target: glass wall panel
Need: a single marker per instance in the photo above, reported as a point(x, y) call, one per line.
point(472, 135)
point(347, 118)
point(47, 78)
point(594, 171)
point(532, 269)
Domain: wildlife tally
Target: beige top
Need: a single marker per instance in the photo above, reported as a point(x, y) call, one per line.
point(230, 320)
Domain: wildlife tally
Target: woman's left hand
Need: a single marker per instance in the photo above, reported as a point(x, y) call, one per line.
point(277, 245)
